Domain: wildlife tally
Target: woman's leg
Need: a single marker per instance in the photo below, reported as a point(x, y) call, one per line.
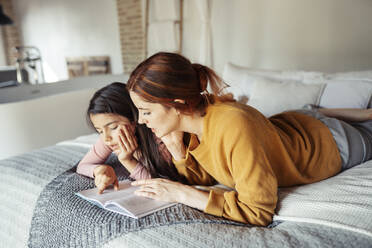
point(348, 115)
point(357, 122)
point(353, 134)
point(365, 131)
point(361, 120)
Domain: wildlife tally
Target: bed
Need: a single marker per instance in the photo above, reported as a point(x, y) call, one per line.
point(39, 208)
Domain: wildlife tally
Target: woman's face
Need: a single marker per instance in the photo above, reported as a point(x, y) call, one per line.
point(108, 126)
point(161, 120)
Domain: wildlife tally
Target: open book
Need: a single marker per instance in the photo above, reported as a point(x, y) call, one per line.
point(124, 201)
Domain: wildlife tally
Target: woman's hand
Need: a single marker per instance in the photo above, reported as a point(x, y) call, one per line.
point(169, 191)
point(127, 146)
point(104, 176)
point(174, 144)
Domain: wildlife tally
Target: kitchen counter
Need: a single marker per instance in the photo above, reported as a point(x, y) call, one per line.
point(26, 91)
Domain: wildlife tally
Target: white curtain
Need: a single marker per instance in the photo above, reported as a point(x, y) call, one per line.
point(166, 10)
point(163, 30)
point(163, 36)
point(206, 52)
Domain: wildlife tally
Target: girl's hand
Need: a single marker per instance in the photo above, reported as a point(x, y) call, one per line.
point(104, 176)
point(174, 144)
point(169, 191)
point(127, 146)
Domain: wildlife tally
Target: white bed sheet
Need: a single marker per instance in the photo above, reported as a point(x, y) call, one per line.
point(343, 201)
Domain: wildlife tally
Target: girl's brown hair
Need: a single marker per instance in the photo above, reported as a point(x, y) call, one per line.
point(164, 77)
point(114, 99)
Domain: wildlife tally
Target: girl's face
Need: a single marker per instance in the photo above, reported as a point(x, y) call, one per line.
point(161, 120)
point(108, 126)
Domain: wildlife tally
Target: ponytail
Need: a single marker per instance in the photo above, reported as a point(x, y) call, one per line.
point(208, 77)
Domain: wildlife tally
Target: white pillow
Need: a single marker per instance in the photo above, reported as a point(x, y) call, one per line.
point(273, 97)
point(351, 75)
point(241, 79)
point(242, 88)
point(346, 94)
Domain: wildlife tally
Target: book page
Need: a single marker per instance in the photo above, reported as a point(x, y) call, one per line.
point(124, 201)
point(138, 206)
point(92, 195)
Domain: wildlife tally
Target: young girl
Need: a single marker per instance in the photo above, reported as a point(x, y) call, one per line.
point(235, 144)
point(112, 113)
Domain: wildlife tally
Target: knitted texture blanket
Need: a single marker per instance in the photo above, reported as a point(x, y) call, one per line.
point(22, 179)
point(62, 219)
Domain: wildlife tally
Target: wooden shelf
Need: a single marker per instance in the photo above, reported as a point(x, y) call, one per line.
point(88, 65)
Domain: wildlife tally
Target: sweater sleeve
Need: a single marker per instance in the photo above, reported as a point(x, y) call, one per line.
point(140, 172)
point(96, 156)
point(191, 170)
point(254, 200)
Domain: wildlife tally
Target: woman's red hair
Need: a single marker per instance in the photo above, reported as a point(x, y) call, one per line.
point(164, 77)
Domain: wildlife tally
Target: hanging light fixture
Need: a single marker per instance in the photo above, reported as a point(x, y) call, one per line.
point(4, 19)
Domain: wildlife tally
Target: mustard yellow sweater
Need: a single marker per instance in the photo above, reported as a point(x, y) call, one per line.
point(242, 149)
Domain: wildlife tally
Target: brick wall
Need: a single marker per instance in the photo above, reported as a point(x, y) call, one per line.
point(11, 36)
point(131, 33)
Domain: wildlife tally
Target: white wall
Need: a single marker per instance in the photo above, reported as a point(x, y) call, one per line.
point(70, 28)
point(324, 35)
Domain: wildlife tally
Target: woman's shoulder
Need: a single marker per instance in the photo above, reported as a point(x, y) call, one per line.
point(231, 119)
point(226, 123)
point(233, 111)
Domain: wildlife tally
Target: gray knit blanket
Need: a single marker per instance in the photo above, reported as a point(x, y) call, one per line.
point(38, 208)
point(62, 219)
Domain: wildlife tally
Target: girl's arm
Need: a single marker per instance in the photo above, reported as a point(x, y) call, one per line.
point(96, 156)
point(348, 114)
point(126, 155)
point(140, 172)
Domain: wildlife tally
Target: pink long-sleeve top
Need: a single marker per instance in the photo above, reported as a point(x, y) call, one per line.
point(99, 153)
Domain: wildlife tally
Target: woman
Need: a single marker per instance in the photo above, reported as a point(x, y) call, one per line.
point(234, 143)
point(113, 115)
